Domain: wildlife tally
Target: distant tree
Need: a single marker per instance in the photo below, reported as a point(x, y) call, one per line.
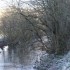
point(53, 20)
point(55, 17)
point(44, 18)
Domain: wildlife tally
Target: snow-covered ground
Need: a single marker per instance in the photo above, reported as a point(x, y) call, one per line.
point(51, 62)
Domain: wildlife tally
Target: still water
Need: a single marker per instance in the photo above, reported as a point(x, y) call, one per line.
point(11, 62)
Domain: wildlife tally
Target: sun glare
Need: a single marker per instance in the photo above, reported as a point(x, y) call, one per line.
point(2, 11)
point(4, 5)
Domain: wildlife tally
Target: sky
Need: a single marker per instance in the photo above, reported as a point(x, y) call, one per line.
point(5, 3)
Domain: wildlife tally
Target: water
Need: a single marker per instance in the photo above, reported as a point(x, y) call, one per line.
point(11, 62)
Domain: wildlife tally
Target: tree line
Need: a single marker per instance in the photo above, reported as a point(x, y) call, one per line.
point(44, 18)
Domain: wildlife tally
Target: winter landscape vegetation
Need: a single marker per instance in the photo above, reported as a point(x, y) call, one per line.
point(34, 34)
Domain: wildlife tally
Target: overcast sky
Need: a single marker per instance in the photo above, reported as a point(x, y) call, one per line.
point(5, 3)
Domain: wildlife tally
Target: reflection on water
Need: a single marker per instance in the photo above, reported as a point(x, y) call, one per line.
point(12, 62)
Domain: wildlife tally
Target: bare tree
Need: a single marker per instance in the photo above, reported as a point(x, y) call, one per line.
point(44, 17)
